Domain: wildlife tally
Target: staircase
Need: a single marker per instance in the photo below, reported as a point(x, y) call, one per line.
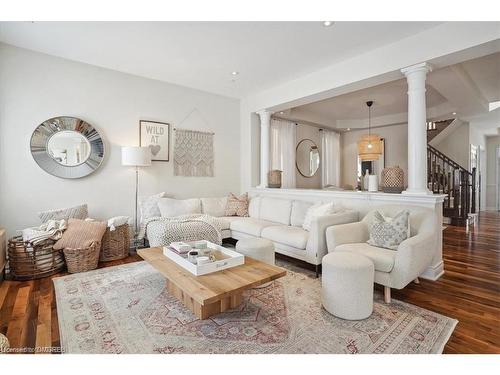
point(445, 176)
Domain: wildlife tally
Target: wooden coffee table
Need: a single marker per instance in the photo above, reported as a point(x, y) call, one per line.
point(216, 292)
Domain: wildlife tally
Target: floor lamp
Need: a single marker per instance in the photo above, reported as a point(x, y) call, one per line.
point(136, 157)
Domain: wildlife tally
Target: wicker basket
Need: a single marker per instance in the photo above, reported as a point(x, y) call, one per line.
point(115, 244)
point(83, 259)
point(27, 262)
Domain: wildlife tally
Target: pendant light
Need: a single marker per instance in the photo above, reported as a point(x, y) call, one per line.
point(369, 146)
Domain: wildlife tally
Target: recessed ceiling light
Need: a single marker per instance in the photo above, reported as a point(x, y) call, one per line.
point(454, 113)
point(348, 129)
point(281, 112)
point(327, 23)
point(235, 73)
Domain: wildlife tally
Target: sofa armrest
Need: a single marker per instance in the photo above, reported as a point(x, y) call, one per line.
point(347, 233)
point(413, 256)
point(316, 244)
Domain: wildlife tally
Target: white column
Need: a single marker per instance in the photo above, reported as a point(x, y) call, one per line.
point(265, 125)
point(417, 131)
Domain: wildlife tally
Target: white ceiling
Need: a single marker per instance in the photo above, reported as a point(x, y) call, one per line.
point(202, 55)
point(465, 89)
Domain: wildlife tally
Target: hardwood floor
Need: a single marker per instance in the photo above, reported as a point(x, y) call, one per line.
point(469, 291)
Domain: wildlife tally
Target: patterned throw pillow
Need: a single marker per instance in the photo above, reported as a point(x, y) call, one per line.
point(237, 206)
point(81, 234)
point(148, 206)
point(389, 232)
point(77, 212)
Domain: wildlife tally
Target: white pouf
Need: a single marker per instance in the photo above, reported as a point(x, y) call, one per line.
point(347, 285)
point(257, 248)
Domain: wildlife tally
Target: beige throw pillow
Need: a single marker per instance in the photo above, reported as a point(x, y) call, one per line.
point(237, 206)
point(389, 232)
point(80, 234)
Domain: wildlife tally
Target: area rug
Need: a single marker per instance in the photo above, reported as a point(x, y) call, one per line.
point(126, 309)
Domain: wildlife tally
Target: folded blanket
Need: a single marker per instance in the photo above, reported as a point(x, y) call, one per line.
point(51, 229)
point(163, 231)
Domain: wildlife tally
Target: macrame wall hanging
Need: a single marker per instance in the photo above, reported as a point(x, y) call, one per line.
point(193, 153)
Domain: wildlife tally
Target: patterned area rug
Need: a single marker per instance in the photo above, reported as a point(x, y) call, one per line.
point(126, 309)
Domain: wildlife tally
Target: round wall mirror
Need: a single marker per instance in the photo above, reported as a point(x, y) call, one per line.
point(307, 158)
point(67, 147)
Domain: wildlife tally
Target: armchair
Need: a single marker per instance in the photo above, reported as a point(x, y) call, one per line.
point(393, 268)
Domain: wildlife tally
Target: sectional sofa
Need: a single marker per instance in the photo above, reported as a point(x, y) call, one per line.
point(279, 220)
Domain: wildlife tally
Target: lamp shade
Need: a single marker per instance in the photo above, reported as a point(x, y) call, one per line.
point(136, 156)
point(370, 147)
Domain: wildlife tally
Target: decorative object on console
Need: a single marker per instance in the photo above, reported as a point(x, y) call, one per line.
point(115, 243)
point(76, 212)
point(136, 157)
point(372, 183)
point(193, 153)
point(27, 261)
point(67, 147)
point(156, 137)
point(393, 179)
point(307, 158)
point(170, 207)
point(237, 206)
point(274, 178)
point(389, 232)
point(369, 146)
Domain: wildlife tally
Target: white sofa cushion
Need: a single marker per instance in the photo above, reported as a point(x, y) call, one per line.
point(227, 220)
point(299, 210)
point(251, 226)
point(291, 236)
point(214, 206)
point(319, 209)
point(275, 209)
point(254, 207)
point(383, 259)
point(170, 207)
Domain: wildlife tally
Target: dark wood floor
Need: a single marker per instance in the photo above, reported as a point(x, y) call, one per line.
point(469, 291)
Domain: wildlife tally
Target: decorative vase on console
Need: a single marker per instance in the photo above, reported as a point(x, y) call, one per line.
point(393, 180)
point(274, 178)
point(366, 180)
point(372, 183)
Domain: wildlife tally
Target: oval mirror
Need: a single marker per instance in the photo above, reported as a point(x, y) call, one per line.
point(307, 158)
point(67, 147)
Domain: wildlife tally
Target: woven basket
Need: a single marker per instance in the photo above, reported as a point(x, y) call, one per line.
point(115, 244)
point(274, 178)
point(83, 259)
point(393, 179)
point(28, 262)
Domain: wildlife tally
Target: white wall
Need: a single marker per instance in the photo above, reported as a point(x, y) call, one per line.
point(35, 87)
point(491, 164)
point(456, 145)
point(396, 151)
point(312, 133)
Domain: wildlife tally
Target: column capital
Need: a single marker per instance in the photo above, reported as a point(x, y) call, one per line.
point(422, 67)
point(264, 114)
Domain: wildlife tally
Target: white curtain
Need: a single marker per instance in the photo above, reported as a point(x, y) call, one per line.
point(330, 158)
point(283, 141)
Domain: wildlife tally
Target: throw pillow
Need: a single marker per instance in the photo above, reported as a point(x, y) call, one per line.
point(389, 232)
point(237, 206)
point(76, 212)
point(318, 209)
point(148, 206)
point(170, 207)
point(81, 234)
point(214, 206)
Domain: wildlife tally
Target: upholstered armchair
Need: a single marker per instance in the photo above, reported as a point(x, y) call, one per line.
point(393, 268)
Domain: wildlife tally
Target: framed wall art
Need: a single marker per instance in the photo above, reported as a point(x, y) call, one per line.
point(156, 136)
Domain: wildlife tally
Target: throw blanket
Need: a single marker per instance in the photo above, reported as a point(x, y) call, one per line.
point(163, 231)
point(52, 230)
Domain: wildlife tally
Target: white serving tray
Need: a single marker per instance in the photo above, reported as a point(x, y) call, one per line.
point(235, 259)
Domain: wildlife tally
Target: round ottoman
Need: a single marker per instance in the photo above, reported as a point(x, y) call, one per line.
point(257, 248)
point(347, 285)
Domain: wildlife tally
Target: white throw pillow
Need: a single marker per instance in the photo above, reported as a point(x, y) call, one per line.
point(319, 209)
point(148, 206)
point(214, 206)
point(170, 207)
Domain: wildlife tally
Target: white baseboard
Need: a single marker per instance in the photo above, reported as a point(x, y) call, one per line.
point(434, 272)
